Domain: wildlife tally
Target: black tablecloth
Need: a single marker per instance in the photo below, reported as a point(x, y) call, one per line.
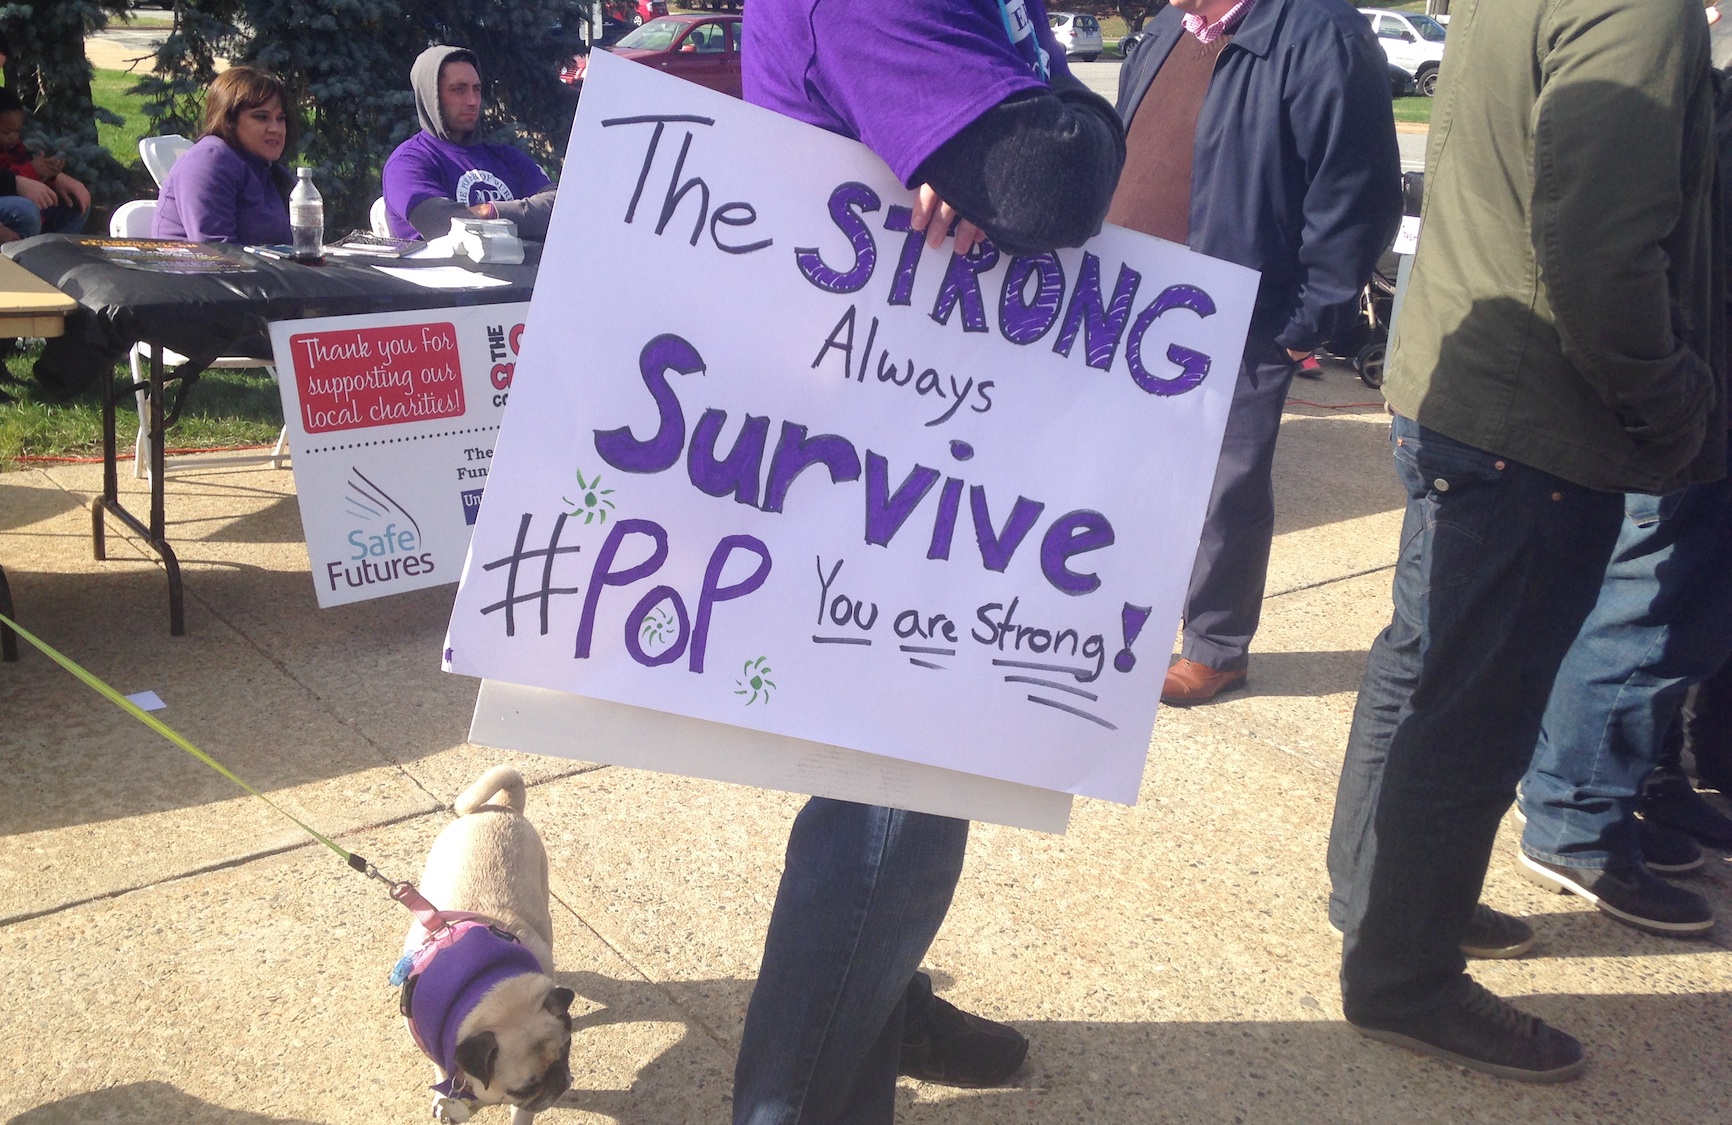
point(205, 315)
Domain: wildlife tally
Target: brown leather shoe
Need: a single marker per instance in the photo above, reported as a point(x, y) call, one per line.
point(1189, 682)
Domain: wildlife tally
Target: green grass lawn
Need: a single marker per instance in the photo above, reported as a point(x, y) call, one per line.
point(141, 19)
point(1415, 109)
point(228, 408)
point(109, 88)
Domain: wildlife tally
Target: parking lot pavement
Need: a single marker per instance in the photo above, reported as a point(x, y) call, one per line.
point(1101, 76)
point(124, 48)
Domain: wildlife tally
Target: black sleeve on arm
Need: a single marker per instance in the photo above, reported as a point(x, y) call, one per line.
point(8, 183)
point(431, 218)
point(1036, 171)
point(531, 215)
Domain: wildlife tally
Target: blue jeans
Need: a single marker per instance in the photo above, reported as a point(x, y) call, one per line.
point(1225, 600)
point(63, 220)
point(20, 216)
point(864, 890)
point(1663, 622)
point(26, 220)
point(1499, 565)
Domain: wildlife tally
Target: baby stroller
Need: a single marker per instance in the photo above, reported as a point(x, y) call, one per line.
point(1363, 340)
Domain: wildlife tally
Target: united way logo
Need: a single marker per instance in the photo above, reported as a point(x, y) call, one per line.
point(384, 543)
point(478, 185)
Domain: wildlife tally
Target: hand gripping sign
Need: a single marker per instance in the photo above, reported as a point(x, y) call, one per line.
point(770, 462)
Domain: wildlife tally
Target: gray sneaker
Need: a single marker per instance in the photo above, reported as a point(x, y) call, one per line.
point(1633, 895)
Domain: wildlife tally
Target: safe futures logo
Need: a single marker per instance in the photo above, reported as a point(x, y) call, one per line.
point(385, 541)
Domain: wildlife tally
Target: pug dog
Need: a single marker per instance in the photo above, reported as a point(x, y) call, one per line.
point(483, 1007)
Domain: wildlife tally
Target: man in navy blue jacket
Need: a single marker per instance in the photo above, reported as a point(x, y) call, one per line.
point(1273, 147)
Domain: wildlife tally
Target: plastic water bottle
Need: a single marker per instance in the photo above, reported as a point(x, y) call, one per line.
point(307, 218)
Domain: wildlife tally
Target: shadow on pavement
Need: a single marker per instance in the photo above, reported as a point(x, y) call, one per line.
point(332, 694)
point(1108, 1073)
point(143, 1101)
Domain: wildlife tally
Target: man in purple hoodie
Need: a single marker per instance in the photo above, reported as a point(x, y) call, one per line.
point(446, 171)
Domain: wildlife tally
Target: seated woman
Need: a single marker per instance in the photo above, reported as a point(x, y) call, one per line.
point(232, 186)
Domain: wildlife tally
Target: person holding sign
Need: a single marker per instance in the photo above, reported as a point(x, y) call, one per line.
point(447, 171)
point(1260, 132)
point(988, 124)
point(232, 186)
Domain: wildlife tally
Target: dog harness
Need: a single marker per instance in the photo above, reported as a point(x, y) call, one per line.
point(444, 980)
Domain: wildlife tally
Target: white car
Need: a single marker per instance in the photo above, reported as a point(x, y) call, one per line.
point(1412, 42)
point(1078, 35)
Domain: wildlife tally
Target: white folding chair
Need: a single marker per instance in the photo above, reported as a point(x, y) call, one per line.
point(160, 153)
point(376, 218)
point(132, 220)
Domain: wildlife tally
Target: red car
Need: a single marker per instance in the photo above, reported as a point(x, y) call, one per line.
point(636, 12)
point(703, 49)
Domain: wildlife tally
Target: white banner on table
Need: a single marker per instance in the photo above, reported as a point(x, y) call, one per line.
point(772, 464)
point(391, 421)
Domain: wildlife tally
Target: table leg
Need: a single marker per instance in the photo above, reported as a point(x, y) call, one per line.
point(158, 439)
point(153, 533)
point(8, 639)
point(110, 475)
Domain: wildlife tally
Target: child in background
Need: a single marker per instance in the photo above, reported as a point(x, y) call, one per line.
point(61, 203)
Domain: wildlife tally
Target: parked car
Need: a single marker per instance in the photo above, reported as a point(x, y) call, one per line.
point(636, 12)
point(1412, 42)
point(699, 48)
point(1078, 35)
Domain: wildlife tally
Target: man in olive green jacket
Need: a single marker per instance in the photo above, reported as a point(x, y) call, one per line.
point(1559, 346)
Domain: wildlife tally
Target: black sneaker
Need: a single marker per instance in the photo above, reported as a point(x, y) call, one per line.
point(954, 1048)
point(1667, 850)
point(1494, 935)
point(1716, 777)
point(1478, 1030)
point(1662, 849)
point(1668, 800)
point(1633, 895)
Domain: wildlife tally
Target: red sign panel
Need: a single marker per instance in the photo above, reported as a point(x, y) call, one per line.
point(377, 376)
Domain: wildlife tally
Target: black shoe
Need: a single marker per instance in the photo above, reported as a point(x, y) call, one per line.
point(1716, 779)
point(1633, 895)
point(954, 1048)
point(1712, 772)
point(1481, 1032)
point(1668, 800)
point(1666, 850)
point(1494, 935)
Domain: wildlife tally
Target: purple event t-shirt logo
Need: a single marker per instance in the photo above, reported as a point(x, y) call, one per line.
point(1021, 31)
point(478, 185)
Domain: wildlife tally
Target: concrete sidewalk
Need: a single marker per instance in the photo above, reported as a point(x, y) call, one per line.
point(171, 950)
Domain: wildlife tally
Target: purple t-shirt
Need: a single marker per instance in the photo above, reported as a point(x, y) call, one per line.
point(218, 193)
point(425, 167)
point(901, 78)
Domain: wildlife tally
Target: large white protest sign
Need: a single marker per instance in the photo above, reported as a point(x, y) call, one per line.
point(391, 420)
point(772, 463)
